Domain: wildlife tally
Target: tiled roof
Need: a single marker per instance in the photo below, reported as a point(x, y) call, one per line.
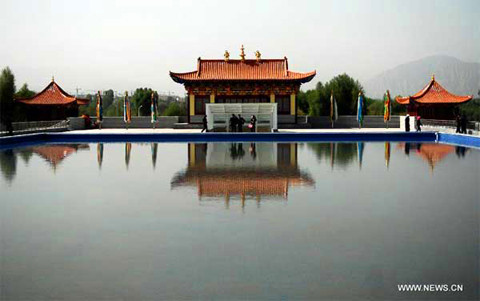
point(264, 69)
point(257, 182)
point(434, 93)
point(434, 153)
point(53, 95)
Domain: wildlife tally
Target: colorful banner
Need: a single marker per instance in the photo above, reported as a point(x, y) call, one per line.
point(333, 109)
point(127, 109)
point(387, 107)
point(360, 105)
point(99, 108)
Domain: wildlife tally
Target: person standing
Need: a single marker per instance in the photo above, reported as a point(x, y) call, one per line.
point(407, 123)
point(418, 124)
point(464, 124)
point(233, 123)
point(240, 123)
point(458, 122)
point(205, 124)
point(253, 123)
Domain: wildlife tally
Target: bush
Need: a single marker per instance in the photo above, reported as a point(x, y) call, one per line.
point(175, 109)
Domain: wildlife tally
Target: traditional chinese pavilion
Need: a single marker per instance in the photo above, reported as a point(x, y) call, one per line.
point(433, 102)
point(52, 103)
point(242, 81)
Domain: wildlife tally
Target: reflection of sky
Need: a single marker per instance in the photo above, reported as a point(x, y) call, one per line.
point(91, 233)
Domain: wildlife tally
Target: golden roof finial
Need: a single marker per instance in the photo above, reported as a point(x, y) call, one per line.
point(227, 56)
point(242, 53)
point(258, 55)
point(433, 76)
point(53, 78)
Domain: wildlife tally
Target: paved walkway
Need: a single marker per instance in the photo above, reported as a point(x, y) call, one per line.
point(184, 131)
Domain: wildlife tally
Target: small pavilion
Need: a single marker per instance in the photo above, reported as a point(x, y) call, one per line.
point(433, 102)
point(242, 80)
point(52, 103)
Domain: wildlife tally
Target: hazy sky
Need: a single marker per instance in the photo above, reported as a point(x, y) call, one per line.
point(123, 45)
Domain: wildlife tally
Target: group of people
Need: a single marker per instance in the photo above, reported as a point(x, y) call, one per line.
point(235, 123)
point(418, 123)
point(461, 124)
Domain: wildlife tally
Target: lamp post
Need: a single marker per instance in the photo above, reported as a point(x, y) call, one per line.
point(138, 110)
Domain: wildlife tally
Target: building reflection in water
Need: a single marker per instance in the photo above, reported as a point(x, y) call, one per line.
point(430, 152)
point(242, 170)
point(54, 154)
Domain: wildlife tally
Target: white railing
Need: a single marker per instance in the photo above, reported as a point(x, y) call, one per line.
point(32, 126)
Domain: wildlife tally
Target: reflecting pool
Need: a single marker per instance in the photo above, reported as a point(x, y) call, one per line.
point(238, 221)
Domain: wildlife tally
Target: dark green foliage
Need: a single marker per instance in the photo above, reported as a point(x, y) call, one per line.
point(107, 98)
point(302, 103)
point(345, 89)
point(7, 92)
point(175, 109)
point(471, 109)
point(375, 107)
point(24, 92)
point(113, 109)
point(19, 113)
point(309, 102)
point(141, 100)
point(89, 109)
point(162, 106)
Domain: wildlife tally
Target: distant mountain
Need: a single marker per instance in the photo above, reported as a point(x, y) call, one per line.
point(453, 74)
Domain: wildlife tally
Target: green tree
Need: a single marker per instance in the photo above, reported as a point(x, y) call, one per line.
point(471, 110)
point(175, 109)
point(7, 92)
point(107, 98)
point(24, 92)
point(375, 107)
point(141, 100)
point(91, 108)
point(303, 105)
point(345, 90)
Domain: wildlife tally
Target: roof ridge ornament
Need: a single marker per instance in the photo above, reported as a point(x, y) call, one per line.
point(258, 55)
point(433, 76)
point(242, 53)
point(53, 79)
point(227, 56)
point(198, 66)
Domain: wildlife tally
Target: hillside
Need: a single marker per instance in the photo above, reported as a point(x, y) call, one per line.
point(453, 74)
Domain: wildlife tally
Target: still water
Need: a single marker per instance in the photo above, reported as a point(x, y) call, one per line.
point(238, 221)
